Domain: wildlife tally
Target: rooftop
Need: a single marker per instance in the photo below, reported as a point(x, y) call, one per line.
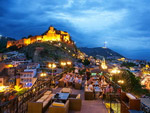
point(88, 106)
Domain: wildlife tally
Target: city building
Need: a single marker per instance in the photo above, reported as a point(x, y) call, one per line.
point(28, 77)
point(146, 81)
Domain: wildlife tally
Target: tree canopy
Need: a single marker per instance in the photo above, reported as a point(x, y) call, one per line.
point(131, 83)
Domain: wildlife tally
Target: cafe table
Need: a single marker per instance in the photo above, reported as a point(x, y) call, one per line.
point(61, 96)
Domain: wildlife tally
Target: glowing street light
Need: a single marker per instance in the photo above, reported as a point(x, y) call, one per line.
point(2, 88)
point(43, 74)
point(69, 63)
point(52, 66)
point(63, 64)
point(121, 81)
point(115, 71)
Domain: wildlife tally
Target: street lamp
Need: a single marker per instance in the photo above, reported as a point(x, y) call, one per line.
point(43, 74)
point(63, 64)
point(121, 81)
point(52, 66)
point(69, 63)
point(115, 71)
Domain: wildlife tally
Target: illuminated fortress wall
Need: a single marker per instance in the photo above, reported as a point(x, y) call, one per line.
point(51, 35)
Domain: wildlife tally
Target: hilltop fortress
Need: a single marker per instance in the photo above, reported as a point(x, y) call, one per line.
point(51, 35)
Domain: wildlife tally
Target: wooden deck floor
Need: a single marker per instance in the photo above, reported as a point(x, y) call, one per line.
point(88, 106)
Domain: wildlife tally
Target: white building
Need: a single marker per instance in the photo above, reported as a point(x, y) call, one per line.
point(28, 77)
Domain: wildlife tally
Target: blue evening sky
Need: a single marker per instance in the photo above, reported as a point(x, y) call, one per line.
point(124, 24)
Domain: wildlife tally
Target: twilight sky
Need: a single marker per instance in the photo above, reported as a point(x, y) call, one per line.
point(124, 24)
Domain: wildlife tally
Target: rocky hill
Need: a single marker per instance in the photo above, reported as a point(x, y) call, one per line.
point(49, 51)
point(99, 51)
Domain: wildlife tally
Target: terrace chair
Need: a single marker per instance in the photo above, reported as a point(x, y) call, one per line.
point(39, 105)
point(57, 107)
point(88, 94)
point(61, 83)
point(75, 102)
point(78, 86)
point(66, 90)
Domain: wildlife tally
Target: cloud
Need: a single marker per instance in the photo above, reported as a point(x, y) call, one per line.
point(122, 23)
point(69, 4)
point(91, 20)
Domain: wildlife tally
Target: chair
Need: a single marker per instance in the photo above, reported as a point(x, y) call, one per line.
point(75, 102)
point(59, 107)
point(88, 94)
point(66, 90)
point(61, 83)
point(40, 105)
point(78, 86)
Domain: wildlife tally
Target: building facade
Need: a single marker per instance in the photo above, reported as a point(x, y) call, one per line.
point(28, 77)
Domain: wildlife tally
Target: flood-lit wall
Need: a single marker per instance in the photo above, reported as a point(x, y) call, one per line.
point(51, 35)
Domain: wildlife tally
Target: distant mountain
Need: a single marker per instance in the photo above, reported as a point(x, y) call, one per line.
point(3, 41)
point(99, 51)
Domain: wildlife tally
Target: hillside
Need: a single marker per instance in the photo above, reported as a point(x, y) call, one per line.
point(3, 41)
point(50, 52)
point(99, 51)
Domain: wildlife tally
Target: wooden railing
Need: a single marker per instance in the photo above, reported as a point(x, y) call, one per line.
point(117, 89)
point(19, 103)
point(145, 108)
point(113, 98)
point(115, 86)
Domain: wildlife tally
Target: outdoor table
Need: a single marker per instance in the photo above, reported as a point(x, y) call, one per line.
point(96, 83)
point(97, 89)
point(95, 78)
point(62, 96)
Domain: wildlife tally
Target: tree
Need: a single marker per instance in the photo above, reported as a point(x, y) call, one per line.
point(29, 36)
point(24, 37)
point(128, 64)
point(13, 48)
point(132, 83)
point(80, 60)
point(86, 62)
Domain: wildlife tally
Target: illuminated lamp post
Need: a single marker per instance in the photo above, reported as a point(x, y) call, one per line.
point(121, 81)
point(43, 74)
point(52, 66)
point(115, 71)
point(63, 64)
point(69, 63)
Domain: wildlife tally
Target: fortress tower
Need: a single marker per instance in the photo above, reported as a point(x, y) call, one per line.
point(51, 35)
